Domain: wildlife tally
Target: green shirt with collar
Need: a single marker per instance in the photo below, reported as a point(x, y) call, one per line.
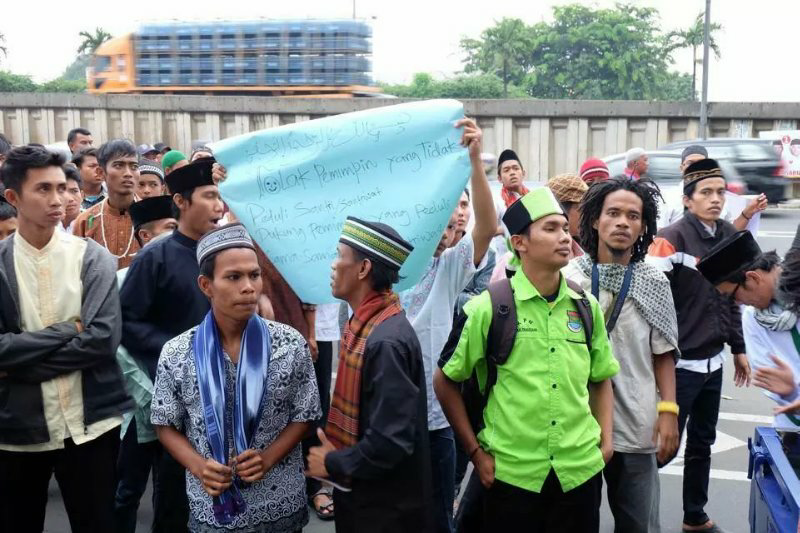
point(538, 415)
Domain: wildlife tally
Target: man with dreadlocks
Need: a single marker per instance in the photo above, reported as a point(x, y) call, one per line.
point(618, 222)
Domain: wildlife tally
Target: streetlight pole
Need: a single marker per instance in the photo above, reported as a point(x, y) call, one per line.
point(354, 9)
point(704, 101)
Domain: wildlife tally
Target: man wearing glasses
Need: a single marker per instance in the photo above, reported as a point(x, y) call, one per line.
point(769, 288)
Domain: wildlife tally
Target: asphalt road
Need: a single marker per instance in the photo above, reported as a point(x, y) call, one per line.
point(742, 409)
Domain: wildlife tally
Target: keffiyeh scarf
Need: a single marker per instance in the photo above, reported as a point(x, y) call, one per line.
point(649, 290)
point(776, 317)
point(342, 426)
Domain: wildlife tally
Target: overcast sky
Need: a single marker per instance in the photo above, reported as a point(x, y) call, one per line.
point(757, 40)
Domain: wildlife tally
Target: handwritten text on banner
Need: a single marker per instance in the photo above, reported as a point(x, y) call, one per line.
point(293, 186)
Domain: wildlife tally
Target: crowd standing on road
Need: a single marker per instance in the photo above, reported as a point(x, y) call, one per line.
point(561, 337)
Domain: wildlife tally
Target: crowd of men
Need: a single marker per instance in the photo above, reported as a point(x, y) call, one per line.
point(559, 337)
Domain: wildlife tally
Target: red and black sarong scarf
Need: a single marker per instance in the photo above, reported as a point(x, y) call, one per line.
point(342, 426)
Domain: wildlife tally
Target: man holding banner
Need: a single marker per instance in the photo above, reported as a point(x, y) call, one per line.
point(429, 307)
point(404, 166)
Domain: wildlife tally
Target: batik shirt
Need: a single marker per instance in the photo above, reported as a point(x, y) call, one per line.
point(111, 228)
point(277, 502)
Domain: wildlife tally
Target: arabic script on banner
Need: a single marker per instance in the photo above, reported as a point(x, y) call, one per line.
point(293, 186)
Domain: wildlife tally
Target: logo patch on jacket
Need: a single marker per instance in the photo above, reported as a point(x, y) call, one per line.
point(574, 321)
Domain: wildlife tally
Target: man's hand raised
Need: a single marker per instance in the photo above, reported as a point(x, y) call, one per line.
point(472, 137)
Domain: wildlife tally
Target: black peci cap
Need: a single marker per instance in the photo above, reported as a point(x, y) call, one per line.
point(729, 257)
point(193, 175)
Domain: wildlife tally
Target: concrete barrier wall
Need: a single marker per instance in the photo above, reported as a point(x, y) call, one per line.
point(551, 136)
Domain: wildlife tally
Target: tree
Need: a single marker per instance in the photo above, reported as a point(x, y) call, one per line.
point(693, 38)
point(590, 53)
point(502, 50)
point(77, 69)
point(465, 86)
point(91, 42)
point(584, 53)
point(15, 83)
point(3, 48)
point(676, 86)
point(62, 85)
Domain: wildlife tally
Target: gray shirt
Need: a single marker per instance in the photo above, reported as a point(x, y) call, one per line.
point(635, 343)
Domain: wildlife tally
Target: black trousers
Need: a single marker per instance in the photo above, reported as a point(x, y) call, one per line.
point(170, 503)
point(86, 477)
point(469, 517)
point(510, 508)
point(698, 398)
point(133, 469)
point(322, 369)
point(462, 462)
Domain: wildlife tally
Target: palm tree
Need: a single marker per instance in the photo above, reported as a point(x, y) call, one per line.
point(91, 42)
point(693, 38)
point(501, 50)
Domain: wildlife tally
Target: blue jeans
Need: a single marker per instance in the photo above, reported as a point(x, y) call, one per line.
point(171, 505)
point(443, 467)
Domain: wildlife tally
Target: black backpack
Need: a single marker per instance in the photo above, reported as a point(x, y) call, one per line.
point(500, 342)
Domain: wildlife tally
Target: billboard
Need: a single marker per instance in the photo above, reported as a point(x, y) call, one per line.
point(786, 144)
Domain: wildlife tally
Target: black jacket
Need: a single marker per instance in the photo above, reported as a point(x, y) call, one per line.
point(389, 467)
point(706, 319)
point(29, 358)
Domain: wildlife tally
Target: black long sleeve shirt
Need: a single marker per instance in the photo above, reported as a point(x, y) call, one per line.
point(389, 467)
point(160, 297)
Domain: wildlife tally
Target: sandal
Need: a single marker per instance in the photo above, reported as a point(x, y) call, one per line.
point(324, 512)
point(713, 528)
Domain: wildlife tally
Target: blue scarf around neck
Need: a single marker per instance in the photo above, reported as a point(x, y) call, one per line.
point(250, 392)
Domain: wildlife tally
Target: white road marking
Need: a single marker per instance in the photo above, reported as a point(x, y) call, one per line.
point(731, 475)
point(740, 417)
point(723, 443)
point(777, 234)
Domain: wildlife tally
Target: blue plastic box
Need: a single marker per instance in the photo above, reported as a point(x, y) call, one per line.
point(774, 485)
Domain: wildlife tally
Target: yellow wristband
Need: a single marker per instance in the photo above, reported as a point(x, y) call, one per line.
point(668, 407)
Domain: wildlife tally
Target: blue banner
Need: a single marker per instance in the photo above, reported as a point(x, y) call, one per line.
point(293, 186)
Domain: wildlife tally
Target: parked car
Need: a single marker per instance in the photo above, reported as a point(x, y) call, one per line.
point(755, 161)
point(665, 170)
